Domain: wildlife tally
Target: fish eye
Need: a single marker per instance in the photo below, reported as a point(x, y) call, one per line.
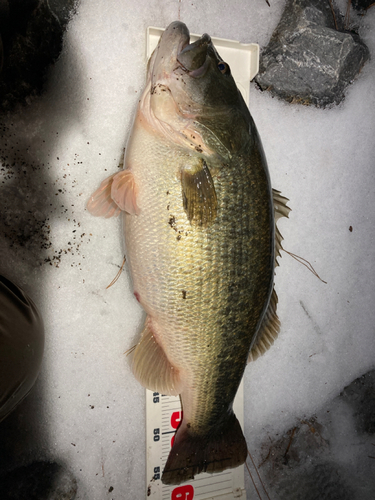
point(223, 67)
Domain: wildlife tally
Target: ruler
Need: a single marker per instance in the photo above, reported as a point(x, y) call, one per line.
point(163, 413)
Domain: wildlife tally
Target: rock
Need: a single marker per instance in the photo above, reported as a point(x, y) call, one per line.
point(360, 395)
point(38, 481)
point(330, 455)
point(307, 59)
point(31, 32)
point(298, 466)
point(362, 5)
point(63, 9)
point(323, 481)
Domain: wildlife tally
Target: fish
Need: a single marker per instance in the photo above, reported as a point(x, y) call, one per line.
point(201, 242)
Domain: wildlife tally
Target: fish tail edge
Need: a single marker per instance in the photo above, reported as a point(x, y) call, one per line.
point(223, 448)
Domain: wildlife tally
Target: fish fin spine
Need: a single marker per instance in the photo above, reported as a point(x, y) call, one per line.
point(220, 449)
point(281, 209)
point(151, 366)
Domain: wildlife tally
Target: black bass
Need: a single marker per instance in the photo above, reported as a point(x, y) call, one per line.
point(199, 230)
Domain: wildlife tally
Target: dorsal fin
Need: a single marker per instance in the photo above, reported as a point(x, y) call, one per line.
point(268, 330)
point(281, 209)
point(270, 326)
point(151, 366)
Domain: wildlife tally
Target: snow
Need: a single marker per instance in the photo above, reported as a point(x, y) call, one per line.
point(86, 410)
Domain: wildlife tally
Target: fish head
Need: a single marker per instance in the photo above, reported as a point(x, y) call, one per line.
point(191, 81)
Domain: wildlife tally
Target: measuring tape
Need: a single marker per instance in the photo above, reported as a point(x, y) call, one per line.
point(163, 416)
point(163, 413)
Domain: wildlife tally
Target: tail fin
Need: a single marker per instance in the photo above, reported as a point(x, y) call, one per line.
point(222, 448)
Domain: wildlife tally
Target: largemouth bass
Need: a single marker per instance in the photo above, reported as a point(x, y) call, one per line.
point(199, 225)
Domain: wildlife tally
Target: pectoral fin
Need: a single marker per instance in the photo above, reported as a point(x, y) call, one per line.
point(116, 193)
point(198, 192)
point(124, 192)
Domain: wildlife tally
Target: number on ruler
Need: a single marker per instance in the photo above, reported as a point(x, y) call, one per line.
point(185, 492)
point(156, 434)
point(155, 397)
point(156, 473)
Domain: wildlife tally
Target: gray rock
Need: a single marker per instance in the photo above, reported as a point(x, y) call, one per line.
point(307, 59)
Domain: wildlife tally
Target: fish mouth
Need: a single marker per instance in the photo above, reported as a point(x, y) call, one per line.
point(193, 56)
point(175, 52)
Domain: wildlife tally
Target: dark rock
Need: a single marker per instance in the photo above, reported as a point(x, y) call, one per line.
point(63, 9)
point(31, 32)
point(38, 481)
point(329, 456)
point(307, 59)
point(297, 465)
point(297, 445)
point(362, 5)
point(323, 481)
point(360, 395)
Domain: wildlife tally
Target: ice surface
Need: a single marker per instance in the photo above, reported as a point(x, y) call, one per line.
point(86, 410)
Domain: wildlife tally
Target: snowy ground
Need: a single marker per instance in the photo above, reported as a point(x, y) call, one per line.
point(86, 410)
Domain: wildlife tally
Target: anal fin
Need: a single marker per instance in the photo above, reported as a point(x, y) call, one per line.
point(151, 366)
